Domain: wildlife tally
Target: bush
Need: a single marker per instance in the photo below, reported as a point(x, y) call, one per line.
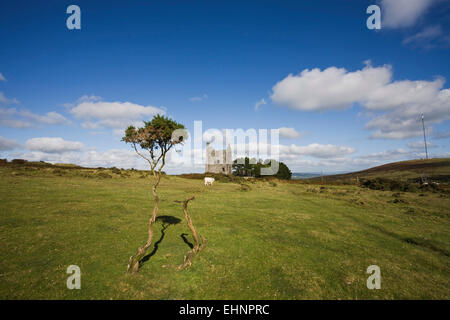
point(18, 161)
point(389, 185)
point(59, 172)
point(103, 175)
point(115, 170)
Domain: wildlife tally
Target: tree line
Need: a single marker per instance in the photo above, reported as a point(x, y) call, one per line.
point(246, 167)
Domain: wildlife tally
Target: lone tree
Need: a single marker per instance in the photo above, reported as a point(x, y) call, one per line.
point(155, 139)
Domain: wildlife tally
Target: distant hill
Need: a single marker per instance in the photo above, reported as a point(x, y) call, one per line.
point(433, 169)
point(304, 175)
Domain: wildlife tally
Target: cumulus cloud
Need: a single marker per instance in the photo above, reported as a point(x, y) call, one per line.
point(14, 118)
point(52, 145)
point(420, 145)
point(396, 105)
point(259, 104)
point(314, 157)
point(6, 101)
point(2, 77)
point(289, 133)
point(403, 13)
point(332, 88)
point(112, 158)
point(18, 124)
point(318, 150)
point(115, 115)
point(428, 38)
point(122, 158)
point(387, 155)
point(7, 144)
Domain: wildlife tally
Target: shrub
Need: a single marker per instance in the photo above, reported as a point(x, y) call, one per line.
point(389, 185)
point(59, 172)
point(18, 161)
point(103, 175)
point(115, 170)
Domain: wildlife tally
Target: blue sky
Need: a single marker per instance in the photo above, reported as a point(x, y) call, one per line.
point(65, 95)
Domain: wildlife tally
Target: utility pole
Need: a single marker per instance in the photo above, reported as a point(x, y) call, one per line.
point(424, 138)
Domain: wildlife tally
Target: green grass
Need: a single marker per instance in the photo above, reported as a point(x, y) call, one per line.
point(265, 241)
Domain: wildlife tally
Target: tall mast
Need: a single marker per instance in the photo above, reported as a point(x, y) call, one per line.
point(424, 138)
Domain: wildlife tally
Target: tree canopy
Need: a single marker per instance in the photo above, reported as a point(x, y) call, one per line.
point(252, 167)
point(157, 136)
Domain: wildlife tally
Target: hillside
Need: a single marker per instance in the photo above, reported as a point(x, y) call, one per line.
point(437, 170)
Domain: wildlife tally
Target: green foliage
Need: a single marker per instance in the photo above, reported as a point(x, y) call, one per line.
point(157, 137)
point(115, 170)
point(156, 134)
point(252, 168)
point(19, 161)
point(283, 172)
point(389, 185)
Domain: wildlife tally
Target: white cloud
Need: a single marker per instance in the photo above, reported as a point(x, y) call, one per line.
point(403, 13)
point(52, 145)
point(18, 124)
point(7, 144)
point(6, 101)
point(318, 150)
point(112, 158)
point(116, 115)
point(259, 104)
point(420, 145)
point(425, 35)
point(332, 88)
point(122, 158)
point(386, 155)
point(198, 99)
point(14, 118)
point(289, 133)
point(428, 38)
point(396, 105)
point(49, 118)
point(2, 77)
point(329, 158)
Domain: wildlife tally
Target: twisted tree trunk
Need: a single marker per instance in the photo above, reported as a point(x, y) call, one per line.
point(133, 263)
point(199, 241)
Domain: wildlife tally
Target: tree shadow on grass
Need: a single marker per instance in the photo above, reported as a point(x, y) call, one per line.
point(166, 221)
point(183, 236)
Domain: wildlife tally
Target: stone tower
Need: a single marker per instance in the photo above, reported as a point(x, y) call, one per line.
point(218, 161)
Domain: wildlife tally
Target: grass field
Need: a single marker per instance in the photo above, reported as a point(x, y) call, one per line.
point(266, 240)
